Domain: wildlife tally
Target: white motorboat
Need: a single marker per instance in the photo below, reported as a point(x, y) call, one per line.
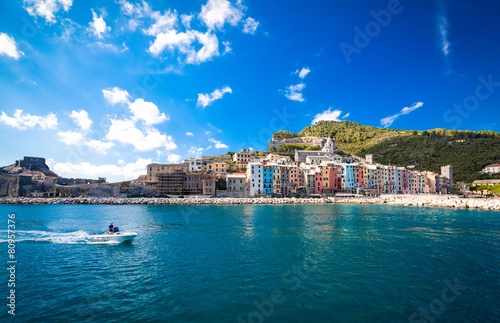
point(115, 236)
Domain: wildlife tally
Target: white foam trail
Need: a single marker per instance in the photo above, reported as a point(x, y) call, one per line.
point(45, 236)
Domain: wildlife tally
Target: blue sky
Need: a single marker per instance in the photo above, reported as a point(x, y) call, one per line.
point(102, 88)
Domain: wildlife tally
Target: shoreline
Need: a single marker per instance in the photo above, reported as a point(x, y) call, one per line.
point(398, 200)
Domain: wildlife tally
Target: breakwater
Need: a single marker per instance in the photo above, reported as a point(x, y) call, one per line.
point(403, 200)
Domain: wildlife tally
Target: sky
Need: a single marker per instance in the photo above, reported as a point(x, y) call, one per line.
point(103, 88)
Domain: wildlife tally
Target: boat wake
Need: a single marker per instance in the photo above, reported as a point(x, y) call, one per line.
point(76, 237)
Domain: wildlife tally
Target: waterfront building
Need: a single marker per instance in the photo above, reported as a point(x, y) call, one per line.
point(235, 185)
point(154, 169)
point(268, 179)
point(447, 171)
point(255, 177)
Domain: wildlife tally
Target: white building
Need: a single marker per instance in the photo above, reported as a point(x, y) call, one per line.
point(255, 178)
point(492, 169)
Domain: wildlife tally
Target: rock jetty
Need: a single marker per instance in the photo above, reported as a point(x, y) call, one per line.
point(402, 200)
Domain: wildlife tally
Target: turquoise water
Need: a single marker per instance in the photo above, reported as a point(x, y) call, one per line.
point(254, 263)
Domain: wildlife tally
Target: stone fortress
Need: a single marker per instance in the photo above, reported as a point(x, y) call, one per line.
point(308, 141)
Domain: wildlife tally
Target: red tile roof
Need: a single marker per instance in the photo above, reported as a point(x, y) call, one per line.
point(492, 165)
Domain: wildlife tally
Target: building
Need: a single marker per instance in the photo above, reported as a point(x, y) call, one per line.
point(255, 177)
point(369, 159)
point(236, 185)
point(447, 171)
point(491, 169)
point(486, 182)
point(317, 160)
point(307, 141)
point(154, 169)
point(218, 168)
point(242, 158)
point(196, 164)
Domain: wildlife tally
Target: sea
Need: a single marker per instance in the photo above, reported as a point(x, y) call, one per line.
point(250, 263)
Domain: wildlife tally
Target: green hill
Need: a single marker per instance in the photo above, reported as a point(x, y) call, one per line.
point(468, 152)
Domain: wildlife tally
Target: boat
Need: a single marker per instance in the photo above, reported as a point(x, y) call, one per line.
point(116, 236)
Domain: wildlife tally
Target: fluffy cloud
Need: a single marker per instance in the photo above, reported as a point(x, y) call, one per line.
point(147, 112)
point(327, 115)
point(195, 151)
point(205, 100)
point(163, 23)
point(386, 122)
point(46, 8)
point(294, 92)
point(23, 121)
point(81, 118)
point(250, 26)
point(215, 13)
point(116, 96)
point(218, 144)
point(174, 158)
point(87, 170)
point(125, 131)
point(189, 134)
point(8, 47)
point(184, 43)
point(186, 20)
point(98, 25)
point(75, 138)
point(303, 72)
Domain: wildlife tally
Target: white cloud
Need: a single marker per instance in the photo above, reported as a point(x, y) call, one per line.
point(386, 122)
point(125, 131)
point(116, 96)
point(250, 26)
point(24, 121)
point(186, 20)
point(205, 100)
point(87, 170)
point(8, 47)
point(294, 92)
point(46, 8)
point(215, 13)
point(75, 138)
point(184, 43)
point(346, 115)
point(174, 158)
point(163, 23)
point(111, 47)
point(227, 47)
point(303, 72)
point(147, 112)
point(218, 144)
point(195, 151)
point(98, 26)
point(443, 30)
point(100, 147)
point(327, 115)
point(189, 134)
point(81, 119)
point(71, 137)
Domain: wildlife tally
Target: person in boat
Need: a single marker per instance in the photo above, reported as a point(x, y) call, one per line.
point(111, 228)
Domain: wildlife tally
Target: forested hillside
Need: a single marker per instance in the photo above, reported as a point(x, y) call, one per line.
point(468, 152)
